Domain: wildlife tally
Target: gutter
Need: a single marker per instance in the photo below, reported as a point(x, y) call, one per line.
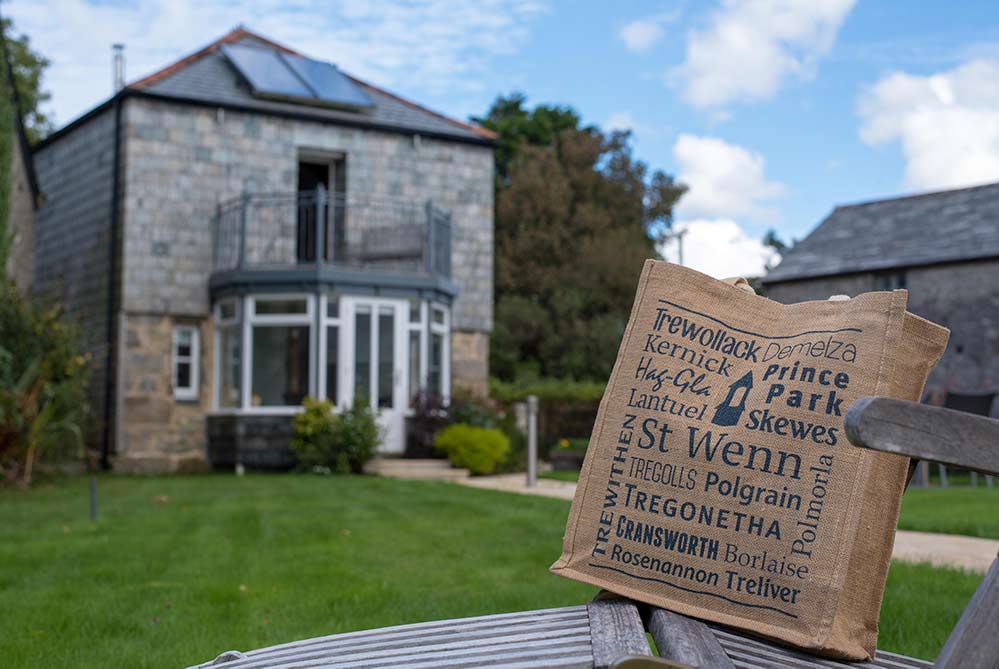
point(110, 367)
point(276, 113)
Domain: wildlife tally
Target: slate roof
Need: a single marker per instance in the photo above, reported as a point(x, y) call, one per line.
point(901, 232)
point(206, 77)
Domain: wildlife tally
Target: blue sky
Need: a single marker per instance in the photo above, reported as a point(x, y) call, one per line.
point(773, 111)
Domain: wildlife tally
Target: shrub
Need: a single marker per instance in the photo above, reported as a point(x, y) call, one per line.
point(330, 442)
point(43, 385)
point(547, 389)
point(478, 449)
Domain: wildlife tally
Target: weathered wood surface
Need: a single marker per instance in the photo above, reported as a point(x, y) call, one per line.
point(926, 432)
point(546, 638)
point(687, 640)
point(616, 630)
point(974, 643)
point(749, 653)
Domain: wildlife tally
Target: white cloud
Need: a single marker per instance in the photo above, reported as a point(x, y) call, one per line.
point(947, 124)
point(721, 248)
point(623, 120)
point(431, 45)
point(724, 180)
point(750, 47)
point(641, 34)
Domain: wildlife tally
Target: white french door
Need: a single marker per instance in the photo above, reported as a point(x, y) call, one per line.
point(373, 361)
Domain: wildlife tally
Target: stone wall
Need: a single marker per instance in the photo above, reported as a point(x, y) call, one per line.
point(182, 161)
point(21, 222)
point(470, 363)
point(960, 296)
point(72, 235)
point(159, 433)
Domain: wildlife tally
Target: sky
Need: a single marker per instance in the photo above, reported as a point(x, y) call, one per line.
point(772, 112)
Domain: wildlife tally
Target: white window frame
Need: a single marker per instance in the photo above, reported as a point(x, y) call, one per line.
point(445, 330)
point(252, 320)
point(325, 323)
point(190, 392)
point(420, 327)
point(220, 324)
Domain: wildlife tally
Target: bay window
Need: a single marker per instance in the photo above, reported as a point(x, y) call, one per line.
point(280, 332)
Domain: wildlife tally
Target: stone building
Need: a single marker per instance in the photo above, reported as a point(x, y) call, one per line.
point(246, 227)
point(944, 249)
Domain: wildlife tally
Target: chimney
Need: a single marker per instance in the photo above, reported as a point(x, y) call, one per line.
point(117, 67)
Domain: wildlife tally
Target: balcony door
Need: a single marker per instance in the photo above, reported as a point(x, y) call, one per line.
point(332, 176)
point(376, 361)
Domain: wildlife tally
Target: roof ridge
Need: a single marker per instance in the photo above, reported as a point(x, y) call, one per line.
point(917, 196)
point(240, 32)
point(234, 35)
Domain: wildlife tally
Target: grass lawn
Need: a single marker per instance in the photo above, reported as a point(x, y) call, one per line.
point(560, 476)
point(178, 569)
point(970, 511)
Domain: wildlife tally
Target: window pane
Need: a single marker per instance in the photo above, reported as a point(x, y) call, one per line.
point(332, 357)
point(386, 355)
point(280, 306)
point(414, 311)
point(333, 306)
point(280, 365)
point(437, 364)
point(362, 352)
point(438, 315)
point(229, 344)
point(183, 375)
point(414, 366)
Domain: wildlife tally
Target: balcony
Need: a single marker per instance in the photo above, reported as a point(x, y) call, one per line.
point(281, 239)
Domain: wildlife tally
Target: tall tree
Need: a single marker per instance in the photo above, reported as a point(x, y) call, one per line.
point(576, 216)
point(27, 66)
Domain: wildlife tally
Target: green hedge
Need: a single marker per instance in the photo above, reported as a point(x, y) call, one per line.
point(547, 389)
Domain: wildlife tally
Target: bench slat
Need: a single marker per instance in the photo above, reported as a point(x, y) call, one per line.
point(616, 629)
point(687, 640)
point(925, 432)
point(546, 638)
point(974, 643)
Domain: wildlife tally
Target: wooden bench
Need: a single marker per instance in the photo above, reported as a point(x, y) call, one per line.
point(611, 632)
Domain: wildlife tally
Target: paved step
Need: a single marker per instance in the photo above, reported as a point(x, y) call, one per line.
point(406, 468)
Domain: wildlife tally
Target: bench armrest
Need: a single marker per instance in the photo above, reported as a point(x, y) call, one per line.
point(925, 432)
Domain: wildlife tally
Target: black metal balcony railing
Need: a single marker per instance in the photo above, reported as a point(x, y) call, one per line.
point(281, 230)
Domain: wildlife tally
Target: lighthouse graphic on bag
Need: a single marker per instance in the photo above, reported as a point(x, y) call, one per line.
point(730, 410)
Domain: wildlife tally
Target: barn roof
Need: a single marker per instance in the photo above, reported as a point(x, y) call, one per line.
point(916, 230)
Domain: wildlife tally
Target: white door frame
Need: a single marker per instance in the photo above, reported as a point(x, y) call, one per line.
point(391, 419)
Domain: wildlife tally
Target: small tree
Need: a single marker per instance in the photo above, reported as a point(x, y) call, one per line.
point(43, 385)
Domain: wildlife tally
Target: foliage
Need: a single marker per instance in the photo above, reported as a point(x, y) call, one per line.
point(480, 450)
point(340, 442)
point(472, 412)
point(573, 444)
point(28, 68)
point(43, 385)
point(547, 389)
point(576, 217)
point(430, 416)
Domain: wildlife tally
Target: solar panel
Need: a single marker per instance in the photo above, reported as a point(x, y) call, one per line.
point(327, 82)
point(271, 73)
point(265, 71)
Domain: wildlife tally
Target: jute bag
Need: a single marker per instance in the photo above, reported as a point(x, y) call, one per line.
point(719, 483)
